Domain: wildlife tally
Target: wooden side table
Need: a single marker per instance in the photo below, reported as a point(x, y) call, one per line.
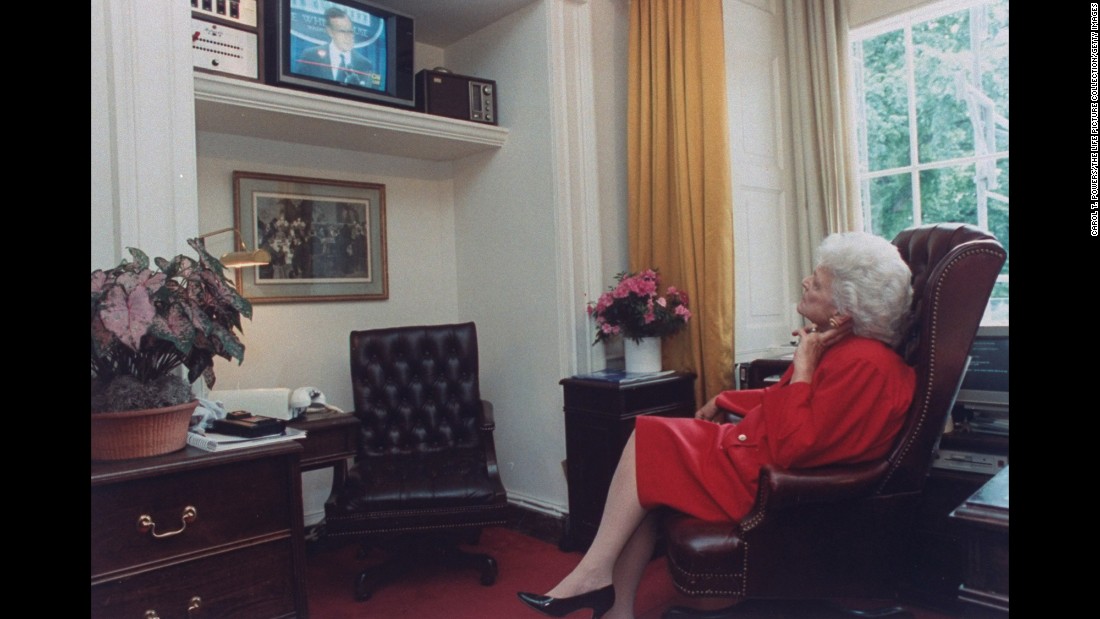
point(984, 520)
point(331, 438)
point(599, 417)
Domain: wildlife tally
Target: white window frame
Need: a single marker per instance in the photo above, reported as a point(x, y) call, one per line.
point(983, 156)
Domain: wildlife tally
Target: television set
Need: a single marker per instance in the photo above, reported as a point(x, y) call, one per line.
point(985, 384)
point(345, 48)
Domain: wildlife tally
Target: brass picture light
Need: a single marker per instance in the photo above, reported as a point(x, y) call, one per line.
point(242, 257)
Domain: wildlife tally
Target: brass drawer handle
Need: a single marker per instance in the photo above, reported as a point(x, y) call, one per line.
point(146, 524)
point(194, 604)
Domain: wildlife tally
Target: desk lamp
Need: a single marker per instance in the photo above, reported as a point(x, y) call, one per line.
point(242, 257)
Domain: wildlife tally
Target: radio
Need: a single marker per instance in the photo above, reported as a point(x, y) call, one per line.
point(443, 93)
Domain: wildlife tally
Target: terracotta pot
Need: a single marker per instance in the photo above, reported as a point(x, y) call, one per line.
point(141, 433)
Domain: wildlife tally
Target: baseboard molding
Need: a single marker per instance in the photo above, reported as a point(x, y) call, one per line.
point(536, 505)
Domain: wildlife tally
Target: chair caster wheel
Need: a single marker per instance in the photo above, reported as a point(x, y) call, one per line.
point(489, 572)
point(362, 591)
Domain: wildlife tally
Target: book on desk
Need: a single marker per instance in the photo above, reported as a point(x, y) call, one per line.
point(622, 377)
point(213, 441)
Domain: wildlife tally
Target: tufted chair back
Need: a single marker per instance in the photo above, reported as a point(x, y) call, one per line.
point(842, 531)
point(415, 390)
point(426, 458)
point(954, 268)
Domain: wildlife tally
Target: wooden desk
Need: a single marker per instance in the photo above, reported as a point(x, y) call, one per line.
point(937, 561)
point(984, 520)
point(331, 438)
point(199, 534)
point(599, 417)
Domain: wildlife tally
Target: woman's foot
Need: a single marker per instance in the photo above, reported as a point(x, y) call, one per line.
point(581, 580)
point(600, 601)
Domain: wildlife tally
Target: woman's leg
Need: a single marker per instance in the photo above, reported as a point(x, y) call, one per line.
point(631, 565)
point(620, 524)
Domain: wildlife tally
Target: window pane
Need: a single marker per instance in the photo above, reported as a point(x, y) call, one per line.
point(948, 194)
point(998, 209)
point(885, 102)
point(996, 313)
point(953, 70)
point(891, 204)
point(942, 66)
point(993, 53)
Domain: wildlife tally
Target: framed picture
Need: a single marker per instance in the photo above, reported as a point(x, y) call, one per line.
point(327, 238)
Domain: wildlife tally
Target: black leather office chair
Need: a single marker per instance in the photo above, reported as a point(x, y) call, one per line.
point(425, 477)
point(842, 531)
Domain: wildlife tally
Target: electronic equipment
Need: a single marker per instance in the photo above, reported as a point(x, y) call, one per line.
point(346, 48)
point(442, 93)
point(986, 380)
point(222, 49)
point(969, 461)
point(242, 12)
point(982, 402)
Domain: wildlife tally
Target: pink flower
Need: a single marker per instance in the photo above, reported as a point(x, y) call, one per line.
point(633, 308)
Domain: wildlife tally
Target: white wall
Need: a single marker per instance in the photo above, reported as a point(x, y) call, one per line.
point(143, 130)
point(506, 249)
point(297, 344)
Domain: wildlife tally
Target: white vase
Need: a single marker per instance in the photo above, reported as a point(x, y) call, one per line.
point(643, 356)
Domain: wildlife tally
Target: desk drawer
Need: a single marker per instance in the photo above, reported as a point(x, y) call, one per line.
point(251, 582)
point(327, 445)
point(236, 501)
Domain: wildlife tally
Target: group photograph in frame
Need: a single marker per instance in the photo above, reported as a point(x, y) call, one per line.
point(327, 238)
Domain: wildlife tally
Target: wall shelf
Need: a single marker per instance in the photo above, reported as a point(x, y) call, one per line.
point(239, 107)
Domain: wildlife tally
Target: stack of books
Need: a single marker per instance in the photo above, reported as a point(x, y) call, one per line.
point(623, 377)
point(214, 441)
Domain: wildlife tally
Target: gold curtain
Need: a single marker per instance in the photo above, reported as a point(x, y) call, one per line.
point(680, 205)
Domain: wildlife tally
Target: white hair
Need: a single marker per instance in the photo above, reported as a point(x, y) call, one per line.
point(871, 283)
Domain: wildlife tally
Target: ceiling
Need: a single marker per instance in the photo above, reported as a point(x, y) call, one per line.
point(442, 22)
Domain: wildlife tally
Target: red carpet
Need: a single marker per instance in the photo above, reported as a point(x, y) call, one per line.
point(526, 564)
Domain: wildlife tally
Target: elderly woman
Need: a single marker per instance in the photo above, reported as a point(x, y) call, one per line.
point(842, 401)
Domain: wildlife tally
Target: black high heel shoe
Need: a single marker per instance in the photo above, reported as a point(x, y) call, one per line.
point(599, 600)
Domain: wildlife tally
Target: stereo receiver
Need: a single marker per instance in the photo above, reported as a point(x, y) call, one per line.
point(443, 93)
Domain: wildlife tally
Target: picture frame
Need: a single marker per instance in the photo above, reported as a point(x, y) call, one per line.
point(327, 238)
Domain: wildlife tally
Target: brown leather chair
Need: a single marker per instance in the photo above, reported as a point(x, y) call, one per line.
point(425, 478)
point(842, 531)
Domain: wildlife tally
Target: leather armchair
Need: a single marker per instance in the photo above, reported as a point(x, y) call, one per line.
point(842, 531)
point(425, 477)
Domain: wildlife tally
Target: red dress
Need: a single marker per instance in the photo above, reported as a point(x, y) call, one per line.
point(850, 412)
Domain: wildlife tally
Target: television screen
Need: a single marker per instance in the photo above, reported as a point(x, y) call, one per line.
point(986, 379)
point(343, 47)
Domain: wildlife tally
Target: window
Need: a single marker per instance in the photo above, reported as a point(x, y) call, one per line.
point(931, 105)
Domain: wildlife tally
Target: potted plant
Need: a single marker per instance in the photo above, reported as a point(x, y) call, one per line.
point(146, 323)
point(634, 309)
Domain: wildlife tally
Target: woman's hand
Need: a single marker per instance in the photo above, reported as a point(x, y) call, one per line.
point(709, 411)
point(812, 344)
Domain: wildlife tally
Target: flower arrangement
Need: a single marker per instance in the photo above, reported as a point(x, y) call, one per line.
point(634, 309)
point(146, 323)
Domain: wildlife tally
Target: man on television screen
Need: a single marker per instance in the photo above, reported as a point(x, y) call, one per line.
point(337, 60)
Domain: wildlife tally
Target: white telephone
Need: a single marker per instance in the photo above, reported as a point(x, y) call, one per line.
point(308, 399)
